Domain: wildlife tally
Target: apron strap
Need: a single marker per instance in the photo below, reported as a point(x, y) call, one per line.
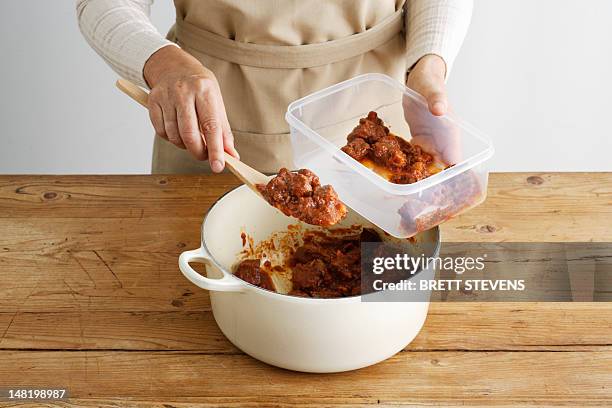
point(288, 56)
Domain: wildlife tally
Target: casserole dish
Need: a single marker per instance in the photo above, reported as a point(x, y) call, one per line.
point(303, 334)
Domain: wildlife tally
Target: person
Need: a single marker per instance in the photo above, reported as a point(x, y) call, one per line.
point(225, 74)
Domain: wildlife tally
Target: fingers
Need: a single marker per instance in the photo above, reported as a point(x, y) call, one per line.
point(189, 129)
point(215, 126)
point(156, 114)
point(436, 100)
point(208, 109)
point(189, 112)
point(228, 142)
point(157, 119)
point(228, 136)
point(171, 125)
point(433, 90)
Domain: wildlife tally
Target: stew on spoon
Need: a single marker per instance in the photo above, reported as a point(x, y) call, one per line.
point(301, 195)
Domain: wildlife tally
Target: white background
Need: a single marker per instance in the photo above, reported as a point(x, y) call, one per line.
point(534, 75)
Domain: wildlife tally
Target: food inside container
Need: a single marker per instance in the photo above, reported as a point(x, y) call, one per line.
point(439, 174)
point(308, 263)
point(397, 160)
point(314, 263)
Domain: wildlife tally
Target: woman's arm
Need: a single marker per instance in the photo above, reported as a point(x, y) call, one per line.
point(436, 27)
point(435, 30)
point(122, 33)
point(185, 103)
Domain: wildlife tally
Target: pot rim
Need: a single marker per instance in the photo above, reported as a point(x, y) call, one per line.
point(266, 292)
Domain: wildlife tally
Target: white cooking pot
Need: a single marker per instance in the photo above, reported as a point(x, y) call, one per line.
point(303, 334)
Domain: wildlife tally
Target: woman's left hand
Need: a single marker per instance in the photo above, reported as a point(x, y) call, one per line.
point(428, 127)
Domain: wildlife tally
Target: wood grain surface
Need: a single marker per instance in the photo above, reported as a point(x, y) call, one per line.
point(91, 299)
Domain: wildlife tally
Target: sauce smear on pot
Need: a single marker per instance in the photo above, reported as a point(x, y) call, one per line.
point(301, 195)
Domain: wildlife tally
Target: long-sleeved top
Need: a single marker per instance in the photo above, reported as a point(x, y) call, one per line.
point(122, 33)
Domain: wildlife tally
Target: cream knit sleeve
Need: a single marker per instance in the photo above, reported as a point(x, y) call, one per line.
point(122, 33)
point(436, 27)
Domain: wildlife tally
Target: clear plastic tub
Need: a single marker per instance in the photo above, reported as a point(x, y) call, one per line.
point(321, 122)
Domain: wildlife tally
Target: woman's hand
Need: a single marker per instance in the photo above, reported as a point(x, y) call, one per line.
point(428, 127)
point(427, 78)
point(186, 106)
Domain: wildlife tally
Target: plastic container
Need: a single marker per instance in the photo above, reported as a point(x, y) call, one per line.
point(320, 123)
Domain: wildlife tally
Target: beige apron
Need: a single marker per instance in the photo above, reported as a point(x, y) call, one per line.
point(268, 53)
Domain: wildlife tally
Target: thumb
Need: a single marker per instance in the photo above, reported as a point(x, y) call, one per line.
point(436, 98)
point(427, 78)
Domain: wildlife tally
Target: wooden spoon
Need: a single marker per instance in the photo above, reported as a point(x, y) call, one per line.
point(245, 173)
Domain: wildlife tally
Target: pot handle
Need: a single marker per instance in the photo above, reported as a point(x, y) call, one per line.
point(227, 283)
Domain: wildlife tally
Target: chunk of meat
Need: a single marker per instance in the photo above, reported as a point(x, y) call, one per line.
point(347, 263)
point(329, 266)
point(308, 276)
point(417, 154)
point(389, 155)
point(357, 148)
point(417, 171)
point(370, 129)
point(300, 195)
point(250, 271)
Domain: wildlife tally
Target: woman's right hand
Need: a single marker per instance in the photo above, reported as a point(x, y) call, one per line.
point(186, 106)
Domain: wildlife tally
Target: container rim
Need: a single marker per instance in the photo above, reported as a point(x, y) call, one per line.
point(398, 189)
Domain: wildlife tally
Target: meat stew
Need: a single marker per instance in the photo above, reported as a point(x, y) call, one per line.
point(372, 144)
point(401, 162)
point(301, 195)
point(325, 264)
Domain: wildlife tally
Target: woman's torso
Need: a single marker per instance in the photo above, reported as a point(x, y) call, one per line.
point(268, 53)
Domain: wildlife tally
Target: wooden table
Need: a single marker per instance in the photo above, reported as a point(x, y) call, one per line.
point(91, 299)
